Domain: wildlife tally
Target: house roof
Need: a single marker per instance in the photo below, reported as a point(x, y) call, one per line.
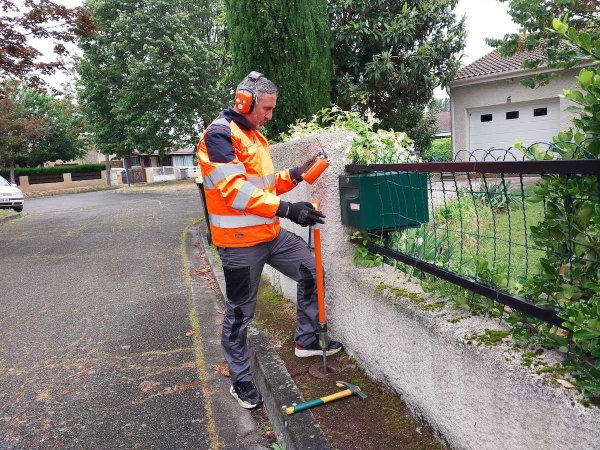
point(183, 151)
point(180, 151)
point(493, 63)
point(442, 120)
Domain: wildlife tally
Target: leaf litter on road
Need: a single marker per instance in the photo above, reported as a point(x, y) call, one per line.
point(221, 368)
point(147, 385)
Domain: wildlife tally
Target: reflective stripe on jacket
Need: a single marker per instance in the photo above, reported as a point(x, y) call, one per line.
point(240, 182)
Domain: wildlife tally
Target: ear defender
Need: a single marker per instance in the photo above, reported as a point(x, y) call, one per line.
point(245, 99)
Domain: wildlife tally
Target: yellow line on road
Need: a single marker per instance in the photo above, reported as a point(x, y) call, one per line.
point(195, 323)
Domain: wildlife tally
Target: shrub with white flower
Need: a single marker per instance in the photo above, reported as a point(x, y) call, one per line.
point(368, 146)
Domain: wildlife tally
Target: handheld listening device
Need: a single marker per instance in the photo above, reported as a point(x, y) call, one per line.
point(245, 99)
point(316, 167)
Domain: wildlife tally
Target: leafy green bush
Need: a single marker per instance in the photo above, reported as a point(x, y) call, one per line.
point(368, 146)
point(459, 209)
point(440, 150)
point(23, 171)
point(362, 256)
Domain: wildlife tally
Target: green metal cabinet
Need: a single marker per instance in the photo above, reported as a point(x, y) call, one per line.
point(384, 200)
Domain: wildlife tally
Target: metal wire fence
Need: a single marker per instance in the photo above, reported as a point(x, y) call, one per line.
point(496, 218)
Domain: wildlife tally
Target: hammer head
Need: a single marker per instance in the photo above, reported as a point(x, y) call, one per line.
point(354, 389)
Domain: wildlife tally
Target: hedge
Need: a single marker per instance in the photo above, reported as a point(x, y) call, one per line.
point(23, 171)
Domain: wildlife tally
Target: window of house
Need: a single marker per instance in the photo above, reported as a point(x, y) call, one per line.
point(512, 115)
point(486, 117)
point(540, 112)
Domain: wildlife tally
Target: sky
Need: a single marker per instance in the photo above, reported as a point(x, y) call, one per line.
point(484, 18)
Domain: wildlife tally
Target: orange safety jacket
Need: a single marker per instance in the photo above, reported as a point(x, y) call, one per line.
point(240, 182)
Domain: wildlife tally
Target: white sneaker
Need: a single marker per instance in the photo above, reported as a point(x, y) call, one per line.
point(315, 349)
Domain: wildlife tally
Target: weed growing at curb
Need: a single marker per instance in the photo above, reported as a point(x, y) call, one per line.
point(489, 337)
point(415, 299)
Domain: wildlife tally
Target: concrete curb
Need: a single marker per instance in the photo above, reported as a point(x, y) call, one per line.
point(11, 217)
point(40, 194)
point(299, 431)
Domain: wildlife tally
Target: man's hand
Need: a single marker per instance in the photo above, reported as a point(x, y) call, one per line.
point(304, 167)
point(296, 172)
point(304, 213)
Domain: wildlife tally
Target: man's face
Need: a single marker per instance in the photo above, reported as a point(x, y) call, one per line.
point(263, 110)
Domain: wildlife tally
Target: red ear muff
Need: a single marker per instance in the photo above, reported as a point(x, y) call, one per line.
point(244, 101)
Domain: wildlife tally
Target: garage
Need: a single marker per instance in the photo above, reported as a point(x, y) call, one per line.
point(501, 125)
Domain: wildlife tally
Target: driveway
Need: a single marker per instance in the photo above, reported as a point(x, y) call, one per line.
point(94, 317)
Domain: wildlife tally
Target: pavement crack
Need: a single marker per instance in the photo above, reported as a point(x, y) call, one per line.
point(170, 390)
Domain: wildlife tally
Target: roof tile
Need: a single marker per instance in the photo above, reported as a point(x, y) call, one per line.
point(493, 63)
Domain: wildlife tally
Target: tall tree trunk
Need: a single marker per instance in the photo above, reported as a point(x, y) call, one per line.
point(12, 172)
point(127, 165)
point(108, 180)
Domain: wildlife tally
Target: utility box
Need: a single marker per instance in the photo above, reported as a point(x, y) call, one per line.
point(384, 200)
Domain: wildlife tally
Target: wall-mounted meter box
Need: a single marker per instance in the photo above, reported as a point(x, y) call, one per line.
point(384, 200)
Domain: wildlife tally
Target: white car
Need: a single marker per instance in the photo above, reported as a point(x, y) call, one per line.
point(11, 196)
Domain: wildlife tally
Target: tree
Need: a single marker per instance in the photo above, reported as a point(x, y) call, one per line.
point(63, 137)
point(418, 124)
point(438, 105)
point(151, 75)
point(38, 127)
point(535, 20)
point(37, 19)
point(18, 126)
point(389, 56)
point(288, 41)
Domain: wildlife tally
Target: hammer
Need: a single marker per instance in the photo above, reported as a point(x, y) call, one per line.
point(350, 390)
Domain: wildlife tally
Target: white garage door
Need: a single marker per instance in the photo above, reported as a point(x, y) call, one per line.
point(500, 126)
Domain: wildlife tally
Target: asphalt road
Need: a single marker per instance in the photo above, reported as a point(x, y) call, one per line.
point(94, 312)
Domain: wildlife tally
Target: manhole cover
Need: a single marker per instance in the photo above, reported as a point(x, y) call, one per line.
point(316, 370)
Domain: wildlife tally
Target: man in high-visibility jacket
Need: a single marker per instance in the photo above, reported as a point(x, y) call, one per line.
point(242, 190)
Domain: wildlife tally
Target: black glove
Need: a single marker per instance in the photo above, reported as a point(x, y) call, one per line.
point(304, 213)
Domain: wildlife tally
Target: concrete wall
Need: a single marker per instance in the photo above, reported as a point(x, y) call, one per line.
point(115, 177)
point(477, 397)
point(164, 173)
point(495, 92)
point(66, 184)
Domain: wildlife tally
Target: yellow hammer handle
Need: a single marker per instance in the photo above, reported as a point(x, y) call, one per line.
point(317, 402)
point(337, 395)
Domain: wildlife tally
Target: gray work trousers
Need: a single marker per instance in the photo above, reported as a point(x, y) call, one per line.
point(242, 267)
